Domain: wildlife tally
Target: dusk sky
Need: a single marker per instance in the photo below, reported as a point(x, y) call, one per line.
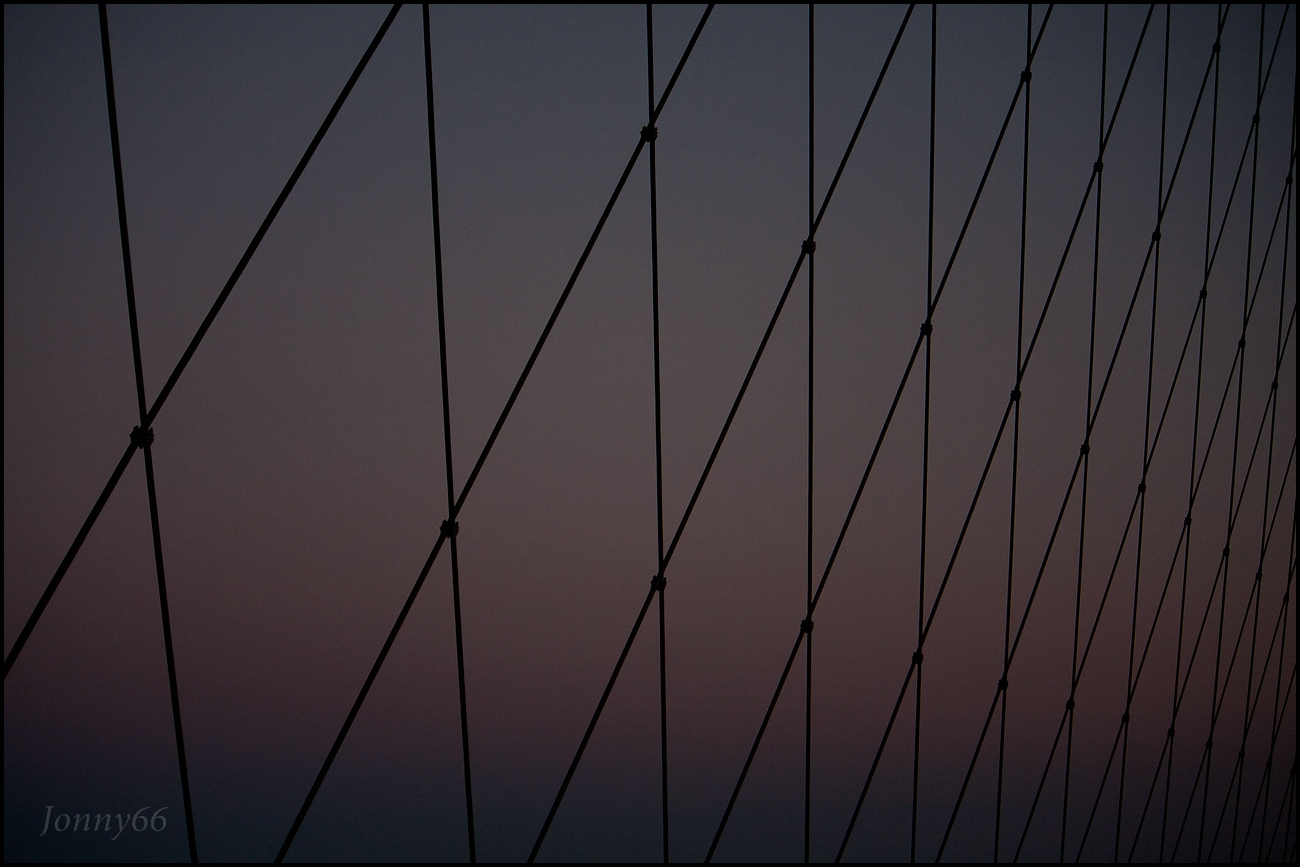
point(299, 460)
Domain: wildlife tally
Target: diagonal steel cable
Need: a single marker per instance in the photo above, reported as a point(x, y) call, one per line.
point(448, 525)
point(193, 346)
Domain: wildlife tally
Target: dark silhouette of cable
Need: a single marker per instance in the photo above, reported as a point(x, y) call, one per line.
point(1285, 814)
point(925, 430)
point(807, 730)
point(192, 347)
point(1083, 493)
point(659, 454)
point(1250, 238)
point(446, 431)
point(448, 526)
point(1146, 445)
point(143, 435)
point(1015, 431)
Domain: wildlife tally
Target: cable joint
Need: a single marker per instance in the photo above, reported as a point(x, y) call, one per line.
point(1098, 166)
point(809, 247)
point(1202, 294)
point(1002, 685)
point(649, 133)
point(1170, 733)
point(1069, 704)
point(1026, 75)
point(1241, 344)
point(1226, 550)
point(1155, 236)
point(927, 328)
point(141, 438)
point(1142, 487)
point(1124, 719)
point(1085, 448)
point(1259, 575)
point(1187, 521)
point(1015, 395)
point(658, 583)
point(450, 528)
point(918, 658)
point(806, 626)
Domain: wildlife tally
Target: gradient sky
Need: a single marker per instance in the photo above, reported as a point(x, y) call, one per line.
point(299, 461)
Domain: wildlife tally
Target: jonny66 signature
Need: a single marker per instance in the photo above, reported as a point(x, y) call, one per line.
point(112, 825)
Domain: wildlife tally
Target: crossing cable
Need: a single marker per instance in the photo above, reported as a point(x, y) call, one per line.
point(447, 527)
point(1183, 689)
point(659, 454)
point(807, 730)
point(1180, 690)
point(1279, 712)
point(925, 436)
point(143, 434)
point(1083, 494)
point(659, 579)
point(1083, 449)
point(925, 328)
point(1001, 431)
point(1015, 436)
point(446, 431)
point(1217, 707)
point(1146, 451)
point(1284, 817)
point(1250, 237)
point(1239, 769)
point(193, 346)
point(1155, 441)
point(1268, 765)
point(1160, 427)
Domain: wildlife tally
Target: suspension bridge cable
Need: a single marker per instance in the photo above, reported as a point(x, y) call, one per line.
point(1083, 494)
point(1146, 444)
point(448, 525)
point(1015, 436)
point(1284, 817)
point(143, 435)
point(1250, 237)
point(190, 350)
point(925, 435)
point(1001, 431)
point(446, 431)
point(807, 730)
point(659, 455)
point(1154, 443)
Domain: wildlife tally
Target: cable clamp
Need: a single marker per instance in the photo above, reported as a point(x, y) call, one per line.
point(1226, 550)
point(450, 528)
point(1002, 685)
point(658, 583)
point(1217, 46)
point(927, 329)
point(1026, 75)
point(1288, 180)
point(1202, 294)
point(1268, 765)
point(1015, 395)
point(1069, 704)
point(649, 133)
point(1155, 236)
point(1142, 487)
point(809, 247)
point(1255, 119)
point(1170, 733)
point(1286, 597)
point(1084, 449)
point(141, 438)
point(1259, 575)
point(918, 658)
point(1241, 344)
point(1098, 166)
point(1187, 521)
point(1241, 754)
point(1209, 743)
point(1124, 719)
point(1273, 387)
point(806, 626)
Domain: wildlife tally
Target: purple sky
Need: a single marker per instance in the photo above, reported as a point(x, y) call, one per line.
point(299, 461)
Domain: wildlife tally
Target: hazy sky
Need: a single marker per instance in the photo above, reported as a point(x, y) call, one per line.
point(300, 467)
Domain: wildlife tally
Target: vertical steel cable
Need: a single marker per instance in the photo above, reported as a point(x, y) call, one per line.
point(1223, 590)
point(1239, 769)
point(1083, 495)
point(451, 529)
point(1146, 436)
point(143, 435)
point(925, 435)
point(1015, 436)
point(1265, 783)
point(659, 456)
point(1196, 410)
point(807, 731)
